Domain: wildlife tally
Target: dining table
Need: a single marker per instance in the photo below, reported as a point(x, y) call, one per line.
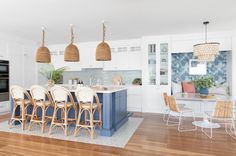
point(203, 101)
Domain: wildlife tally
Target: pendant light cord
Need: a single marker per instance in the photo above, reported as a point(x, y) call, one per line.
point(206, 33)
point(72, 34)
point(206, 23)
point(104, 32)
point(43, 36)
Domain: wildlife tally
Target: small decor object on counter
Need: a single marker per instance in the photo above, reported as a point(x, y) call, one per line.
point(117, 80)
point(52, 74)
point(202, 84)
point(137, 81)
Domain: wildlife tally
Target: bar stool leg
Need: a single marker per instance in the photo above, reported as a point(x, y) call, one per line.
point(13, 115)
point(53, 119)
point(66, 121)
point(78, 122)
point(43, 118)
point(32, 117)
point(23, 116)
point(91, 123)
point(100, 117)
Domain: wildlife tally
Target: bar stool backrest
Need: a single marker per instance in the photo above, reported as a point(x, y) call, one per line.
point(60, 94)
point(85, 94)
point(223, 109)
point(18, 92)
point(165, 98)
point(40, 93)
point(172, 104)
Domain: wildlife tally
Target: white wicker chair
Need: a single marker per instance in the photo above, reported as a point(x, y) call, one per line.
point(60, 97)
point(22, 99)
point(85, 97)
point(41, 99)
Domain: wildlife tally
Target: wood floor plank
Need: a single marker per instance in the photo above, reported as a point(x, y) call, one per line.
point(152, 138)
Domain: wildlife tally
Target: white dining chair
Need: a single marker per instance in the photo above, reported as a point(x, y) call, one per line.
point(180, 112)
point(223, 114)
point(167, 109)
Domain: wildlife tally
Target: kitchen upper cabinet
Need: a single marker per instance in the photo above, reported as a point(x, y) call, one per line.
point(126, 55)
point(118, 61)
point(88, 55)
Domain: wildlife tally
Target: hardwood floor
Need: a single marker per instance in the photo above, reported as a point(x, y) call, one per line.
point(152, 138)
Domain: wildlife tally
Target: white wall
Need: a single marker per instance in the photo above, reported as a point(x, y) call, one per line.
point(20, 53)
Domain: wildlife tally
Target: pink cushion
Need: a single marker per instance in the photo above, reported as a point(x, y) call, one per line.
point(188, 87)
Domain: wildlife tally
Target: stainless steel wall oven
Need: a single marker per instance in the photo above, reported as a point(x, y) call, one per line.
point(4, 80)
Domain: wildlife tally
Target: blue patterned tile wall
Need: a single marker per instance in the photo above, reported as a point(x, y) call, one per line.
point(217, 69)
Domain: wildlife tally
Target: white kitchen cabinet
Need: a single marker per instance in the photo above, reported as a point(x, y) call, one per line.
point(134, 98)
point(118, 62)
point(88, 55)
point(4, 107)
point(126, 55)
point(134, 60)
point(152, 98)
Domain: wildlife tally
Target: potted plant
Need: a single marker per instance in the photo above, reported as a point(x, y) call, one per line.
point(53, 75)
point(203, 84)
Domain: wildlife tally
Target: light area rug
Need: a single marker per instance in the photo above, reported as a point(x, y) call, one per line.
point(119, 139)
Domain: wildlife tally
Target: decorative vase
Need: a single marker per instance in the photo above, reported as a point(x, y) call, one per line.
point(204, 91)
point(50, 83)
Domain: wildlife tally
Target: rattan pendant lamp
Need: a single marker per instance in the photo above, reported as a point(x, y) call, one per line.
point(43, 54)
point(71, 51)
point(103, 50)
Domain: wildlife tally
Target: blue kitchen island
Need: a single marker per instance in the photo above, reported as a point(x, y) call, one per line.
point(114, 106)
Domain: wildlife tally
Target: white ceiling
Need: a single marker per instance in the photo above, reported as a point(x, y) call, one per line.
point(125, 18)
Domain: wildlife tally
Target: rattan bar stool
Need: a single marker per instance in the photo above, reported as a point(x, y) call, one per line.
point(63, 101)
point(21, 98)
point(85, 97)
point(41, 99)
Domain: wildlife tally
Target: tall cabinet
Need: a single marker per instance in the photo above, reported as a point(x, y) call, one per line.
point(156, 70)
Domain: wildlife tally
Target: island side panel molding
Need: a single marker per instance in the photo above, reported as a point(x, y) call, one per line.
point(120, 111)
point(107, 128)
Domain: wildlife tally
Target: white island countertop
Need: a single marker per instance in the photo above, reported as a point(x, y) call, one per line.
point(98, 89)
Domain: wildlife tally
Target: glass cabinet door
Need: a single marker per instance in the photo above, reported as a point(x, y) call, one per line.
point(164, 63)
point(152, 63)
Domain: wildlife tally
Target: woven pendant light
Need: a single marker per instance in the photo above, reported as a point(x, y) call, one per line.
point(71, 51)
point(43, 54)
point(103, 50)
